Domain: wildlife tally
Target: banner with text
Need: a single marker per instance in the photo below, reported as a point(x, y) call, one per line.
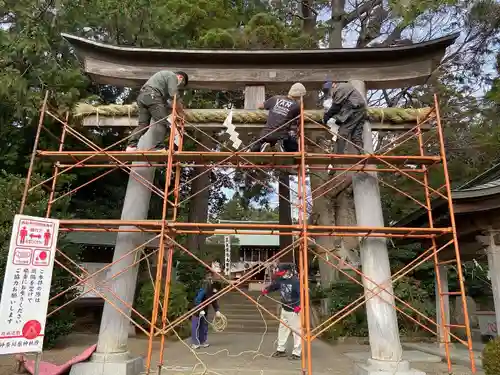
point(26, 286)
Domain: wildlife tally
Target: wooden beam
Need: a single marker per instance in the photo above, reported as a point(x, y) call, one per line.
point(276, 158)
point(102, 121)
point(387, 67)
point(383, 76)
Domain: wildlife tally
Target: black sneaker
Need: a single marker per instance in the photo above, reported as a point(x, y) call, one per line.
point(278, 354)
point(264, 147)
point(295, 357)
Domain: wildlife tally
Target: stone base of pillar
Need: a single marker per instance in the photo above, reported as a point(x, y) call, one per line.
point(442, 345)
point(376, 367)
point(131, 330)
point(105, 364)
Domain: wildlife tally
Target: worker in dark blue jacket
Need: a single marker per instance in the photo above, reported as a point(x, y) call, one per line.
point(288, 285)
point(199, 323)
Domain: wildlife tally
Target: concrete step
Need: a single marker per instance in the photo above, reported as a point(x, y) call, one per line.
point(248, 308)
point(247, 302)
point(252, 323)
point(270, 330)
point(243, 315)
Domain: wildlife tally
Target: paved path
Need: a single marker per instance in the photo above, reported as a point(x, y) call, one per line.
point(224, 357)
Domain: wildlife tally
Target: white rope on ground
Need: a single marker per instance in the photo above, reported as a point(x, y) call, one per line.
point(219, 323)
point(205, 370)
point(257, 352)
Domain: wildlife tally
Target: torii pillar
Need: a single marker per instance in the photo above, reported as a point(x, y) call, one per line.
point(112, 355)
point(383, 330)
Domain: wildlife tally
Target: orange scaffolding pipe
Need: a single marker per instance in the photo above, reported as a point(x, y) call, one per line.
point(302, 162)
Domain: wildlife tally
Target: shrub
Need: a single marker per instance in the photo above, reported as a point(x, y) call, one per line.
point(491, 357)
point(340, 295)
point(177, 305)
point(344, 292)
point(411, 291)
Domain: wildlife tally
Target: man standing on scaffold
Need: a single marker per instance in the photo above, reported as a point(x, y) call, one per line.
point(155, 101)
point(348, 108)
point(289, 286)
point(283, 115)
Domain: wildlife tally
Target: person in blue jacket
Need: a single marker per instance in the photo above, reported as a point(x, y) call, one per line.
point(199, 323)
point(287, 283)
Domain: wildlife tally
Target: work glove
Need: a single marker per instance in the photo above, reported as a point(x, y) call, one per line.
point(264, 292)
point(218, 314)
point(202, 313)
point(296, 309)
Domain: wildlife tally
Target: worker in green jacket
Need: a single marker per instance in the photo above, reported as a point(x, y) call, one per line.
point(154, 103)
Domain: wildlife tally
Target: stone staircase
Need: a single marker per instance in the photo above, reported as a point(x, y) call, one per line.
point(243, 315)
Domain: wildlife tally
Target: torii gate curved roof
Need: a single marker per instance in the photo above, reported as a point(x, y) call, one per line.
point(380, 68)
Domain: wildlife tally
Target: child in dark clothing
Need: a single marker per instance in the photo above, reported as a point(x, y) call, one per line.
point(199, 324)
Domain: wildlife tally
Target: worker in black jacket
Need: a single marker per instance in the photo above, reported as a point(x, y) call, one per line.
point(289, 287)
point(348, 107)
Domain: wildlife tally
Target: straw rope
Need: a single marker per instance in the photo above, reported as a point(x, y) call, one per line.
point(200, 116)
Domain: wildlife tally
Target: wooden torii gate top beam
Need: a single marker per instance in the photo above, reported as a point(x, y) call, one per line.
point(379, 68)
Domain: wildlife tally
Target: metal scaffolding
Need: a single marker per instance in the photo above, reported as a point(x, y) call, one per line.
point(414, 167)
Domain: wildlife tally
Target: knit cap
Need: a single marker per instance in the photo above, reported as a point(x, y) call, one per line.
point(297, 90)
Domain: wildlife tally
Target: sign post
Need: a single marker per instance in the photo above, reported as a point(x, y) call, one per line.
point(26, 286)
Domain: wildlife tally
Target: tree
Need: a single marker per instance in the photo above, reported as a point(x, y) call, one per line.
point(236, 209)
point(378, 23)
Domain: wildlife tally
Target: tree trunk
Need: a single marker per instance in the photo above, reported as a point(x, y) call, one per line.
point(324, 214)
point(328, 209)
point(285, 213)
point(337, 24)
point(198, 207)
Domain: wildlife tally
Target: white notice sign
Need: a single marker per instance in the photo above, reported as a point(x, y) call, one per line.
point(26, 285)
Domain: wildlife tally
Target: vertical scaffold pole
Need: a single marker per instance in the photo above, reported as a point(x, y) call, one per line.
point(161, 252)
point(56, 168)
point(170, 254)
point(304, 244)
point(455, 238)
point(33, 153)
point(428, 204)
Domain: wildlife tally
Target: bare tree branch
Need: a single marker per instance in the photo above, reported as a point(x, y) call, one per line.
point(362, 9)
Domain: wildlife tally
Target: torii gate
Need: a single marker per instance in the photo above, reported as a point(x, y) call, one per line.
point(253, 71)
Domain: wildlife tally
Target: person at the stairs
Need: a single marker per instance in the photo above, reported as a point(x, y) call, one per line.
point(348, 108)
point(289, 287)
point(199, 323)
point(154, 102)
point(283, 114)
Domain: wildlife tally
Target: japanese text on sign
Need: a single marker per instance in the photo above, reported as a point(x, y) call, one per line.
point(26, 284)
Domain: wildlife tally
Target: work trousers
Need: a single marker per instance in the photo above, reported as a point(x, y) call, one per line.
point(352, 130)
point(289, 142)
point(151, 106)
point(199, 330)
point(292, 319)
